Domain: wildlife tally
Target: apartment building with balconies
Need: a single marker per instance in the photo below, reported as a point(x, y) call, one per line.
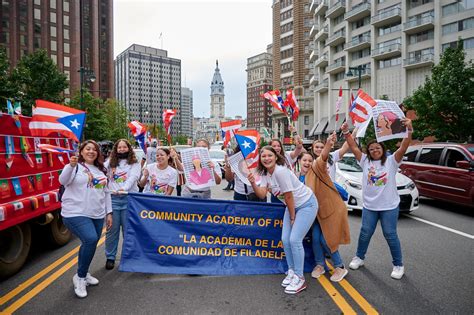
point(386, 47)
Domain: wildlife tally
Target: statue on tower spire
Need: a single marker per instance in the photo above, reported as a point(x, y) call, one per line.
point(217, 63)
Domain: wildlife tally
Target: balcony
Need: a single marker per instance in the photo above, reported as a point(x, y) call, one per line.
point(419, 61)
point(322, 7)
point(337, 38)
point(322, 34)
point(419, 25)
point(357, 12)
point(387, 51)
point(313, 80)
point(322, 87)
point(314, 55)
point(314, 30)
point(387, 17)
point(313, 6)
point(358, 43)
point(336, 67)
point(365, 74)
point(336, 9)
point(322, 61)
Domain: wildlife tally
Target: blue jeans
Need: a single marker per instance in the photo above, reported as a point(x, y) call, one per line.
point(88, 231)
point(119, 218)
point(320, 247)
point(388, 220)
point(250, 197)
point(292, 236)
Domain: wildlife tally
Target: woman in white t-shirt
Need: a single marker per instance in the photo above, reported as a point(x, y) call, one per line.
point(380, 196)
point(160, 178)
point(123, 172)
point(300, 212)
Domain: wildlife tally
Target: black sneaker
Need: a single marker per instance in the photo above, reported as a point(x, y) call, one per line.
point(109, 265)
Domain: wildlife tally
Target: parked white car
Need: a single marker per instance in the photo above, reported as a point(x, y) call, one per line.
point(218, 157)
point(349, 176)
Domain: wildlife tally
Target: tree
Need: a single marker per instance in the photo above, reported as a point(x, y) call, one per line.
point(97, 127)
point(37, 77)
point(444, 105)
point(116, 119)
point(7, 89)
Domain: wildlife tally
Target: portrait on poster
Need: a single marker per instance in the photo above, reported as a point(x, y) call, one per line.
point(197, 171)
point(240, 168)
point(387, 117)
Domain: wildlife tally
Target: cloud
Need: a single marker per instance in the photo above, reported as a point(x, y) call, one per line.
point(198, 33)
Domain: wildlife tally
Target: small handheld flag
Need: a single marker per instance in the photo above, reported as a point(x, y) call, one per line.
point(168, 115)
point(229, 128)
point(138, 131)
point(248, 141)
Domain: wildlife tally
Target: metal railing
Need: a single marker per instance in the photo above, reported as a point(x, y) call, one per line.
point(429, 57)
point(386, 14)
point(335, 6)
point(357, 9)
point(385, 49)
point(420, 21)
point(358, 41)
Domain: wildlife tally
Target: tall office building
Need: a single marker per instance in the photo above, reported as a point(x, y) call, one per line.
point(217, 95)
point(259, 80)
point(292, 22)
point(147, 81)
point(186, 114)
point(385, 47)
point(76, 34)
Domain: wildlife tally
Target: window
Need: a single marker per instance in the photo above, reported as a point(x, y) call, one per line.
point(390, 62)
point(360, 23)
point(66, 33)
point(360, 54)
point(410, 155)
point(415, 3)
point(66, 6)
point(52, 4)
point(53, 31)
point(457, 7)
point(66, 62)
point(37, 13)
point(66, 20)
point(66, 48)
point(52, 17)
point(306, 120)
point(54, 45)
point(339, 76)
point(430, 156)
point(452, 157)
point(54, 58)
point(420, 37)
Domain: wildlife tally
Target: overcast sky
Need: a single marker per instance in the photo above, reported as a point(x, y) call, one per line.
point(198, 33)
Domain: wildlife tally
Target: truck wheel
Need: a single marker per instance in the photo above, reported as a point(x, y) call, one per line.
point(58, 232)
point(15, 245)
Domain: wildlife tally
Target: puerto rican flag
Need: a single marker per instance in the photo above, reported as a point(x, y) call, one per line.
point(361, 111)
point(50, 118)
point(338, 103)
point(292, 104)
point(276, 100)
point(248, 141)
point(229, 128)
point(168, 115)
point(138, 131)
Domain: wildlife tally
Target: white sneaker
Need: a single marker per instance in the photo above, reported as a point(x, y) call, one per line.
point(297, 285)
point(356, 263)
point(80, 285)
point(90, 280)
point(339, 274)
point(398, 272)
point(289, 276)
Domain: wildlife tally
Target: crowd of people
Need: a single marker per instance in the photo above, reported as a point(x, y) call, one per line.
point(302, 180)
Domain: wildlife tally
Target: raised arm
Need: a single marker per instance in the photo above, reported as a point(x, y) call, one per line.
point(350, 141)
point(327, 147)
point(261, 192)
point(405, 142)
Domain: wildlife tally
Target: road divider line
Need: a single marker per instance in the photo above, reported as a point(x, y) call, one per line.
point(44, 284)
point(355, 295)
point(440, 226)
point(337, 297)
point(10, 295)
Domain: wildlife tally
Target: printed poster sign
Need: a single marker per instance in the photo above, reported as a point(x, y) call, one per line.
point(177, 235)
point(387, 118)
point(240, 168)
point(196, 168)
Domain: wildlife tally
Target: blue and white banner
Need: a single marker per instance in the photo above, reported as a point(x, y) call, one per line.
point(178, 235)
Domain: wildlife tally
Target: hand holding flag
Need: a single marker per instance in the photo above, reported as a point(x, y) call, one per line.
point(168, 115)
point(248, 141)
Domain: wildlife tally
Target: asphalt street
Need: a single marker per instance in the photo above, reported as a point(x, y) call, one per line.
point(438, 252)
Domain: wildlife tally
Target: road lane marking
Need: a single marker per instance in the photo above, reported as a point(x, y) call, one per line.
point(44, 284)
point(440, 226)
point(10, 295)
point(336, 296)
point(358, 298)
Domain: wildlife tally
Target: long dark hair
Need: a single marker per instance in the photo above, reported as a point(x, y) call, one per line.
point(280, 160)
point(99, 160)
point(384, 151)
point(131, 159)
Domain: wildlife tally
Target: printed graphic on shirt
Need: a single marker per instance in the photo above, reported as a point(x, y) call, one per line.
point(156, 187)
point(374, 179)
point(99, 182)
point(120, 177)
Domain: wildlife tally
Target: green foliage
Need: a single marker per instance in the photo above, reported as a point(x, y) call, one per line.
point(116, 118)
point(7, 89)
point(96, 119)
point(37, 77)
point(444, 105)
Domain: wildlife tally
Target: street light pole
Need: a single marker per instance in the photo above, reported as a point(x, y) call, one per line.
point(358, 70)
point(85, 75)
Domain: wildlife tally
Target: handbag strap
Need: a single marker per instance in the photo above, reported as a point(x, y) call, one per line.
point(331, 187)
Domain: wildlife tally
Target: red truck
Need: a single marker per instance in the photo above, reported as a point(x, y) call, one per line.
point(29, 182)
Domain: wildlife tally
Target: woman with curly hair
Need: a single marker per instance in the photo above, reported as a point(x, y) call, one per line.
point(123, 172)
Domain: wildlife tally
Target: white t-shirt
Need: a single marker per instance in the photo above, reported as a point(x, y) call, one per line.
point(284, 180)
point(240, 188)
point(159, 180)
point(290, 161)
point(124, 176)
point(379, 187)
point(332, 168)
point(86, 193)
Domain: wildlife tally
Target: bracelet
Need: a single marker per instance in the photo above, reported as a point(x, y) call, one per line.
point(345, 132)
point(410, 130)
